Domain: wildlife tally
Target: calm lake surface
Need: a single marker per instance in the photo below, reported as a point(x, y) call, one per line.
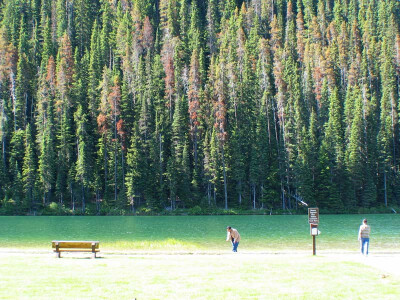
point(203, 233)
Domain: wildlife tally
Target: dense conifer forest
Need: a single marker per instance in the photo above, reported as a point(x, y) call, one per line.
point(113, 106)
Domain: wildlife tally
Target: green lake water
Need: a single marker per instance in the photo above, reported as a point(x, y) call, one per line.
point(201, 233)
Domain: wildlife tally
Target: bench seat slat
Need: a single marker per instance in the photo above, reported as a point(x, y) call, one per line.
point(75, 244)
point(75, 250)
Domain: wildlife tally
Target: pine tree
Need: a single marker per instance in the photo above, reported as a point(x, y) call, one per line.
point(331, 157)
point(355, 152)
point(63, 16)
point(84, 162)
point(387, 137)
point(114, 99)
point(3, 176)
point(104, 126)
point(7, 61)
point(194, 103)
point(220, 121)
point(195, 31)
point(29, 170)
point(83, 23)
point(64, 122)
point(94, 69)
point(17, 150)
point(178, 171)
point(106, 39)
point(213, 16)
point(309, 167)
point(17, 154)
point(23, 95)
point(17, 190)
point(134, 176)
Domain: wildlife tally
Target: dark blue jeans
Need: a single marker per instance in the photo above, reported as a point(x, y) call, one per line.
point(364, 245)
point(235, 245)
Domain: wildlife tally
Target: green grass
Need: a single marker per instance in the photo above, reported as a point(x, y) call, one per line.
point(228, 276)
point(200, 233)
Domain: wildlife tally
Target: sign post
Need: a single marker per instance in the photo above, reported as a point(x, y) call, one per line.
point(313, 220)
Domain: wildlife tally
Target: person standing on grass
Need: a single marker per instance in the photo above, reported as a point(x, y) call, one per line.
point(363, 236)
point(233, 236)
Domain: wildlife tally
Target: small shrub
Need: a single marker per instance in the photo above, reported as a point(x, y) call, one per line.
point(104, 209)
point(229, 212)
point(9, 207)
point(116, 212)
point(53, 209)
point(145, 211)
point(195, 210)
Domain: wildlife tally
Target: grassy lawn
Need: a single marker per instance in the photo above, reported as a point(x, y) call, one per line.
point(200, 233)
point(227, 276)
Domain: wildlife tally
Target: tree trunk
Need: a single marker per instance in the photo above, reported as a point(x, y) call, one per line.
point(115, 154)
point(209, 193)
point(262, 196)
point(393, 112)
point(225, 183)
point(384, 187)
point(3, 154)
point(105, 165)
point(72, 199)
point(279, 156)
point(123, 166)
point(98, 202)
point(14, 98)
point(195, 147)
point(215, 195)
point(254, 196)
point(26, 108)
point(83, 199)
point(161, 166)
point(240, 192)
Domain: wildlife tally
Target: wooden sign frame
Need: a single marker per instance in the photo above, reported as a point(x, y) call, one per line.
point(313, 215)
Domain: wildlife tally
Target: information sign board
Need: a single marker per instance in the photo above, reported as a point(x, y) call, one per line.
point(313, 215)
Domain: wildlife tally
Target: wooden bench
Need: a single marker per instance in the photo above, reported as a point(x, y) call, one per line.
point(75, 246)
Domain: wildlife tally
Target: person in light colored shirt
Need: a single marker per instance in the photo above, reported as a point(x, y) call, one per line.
point(363, 237)
point(233, 236)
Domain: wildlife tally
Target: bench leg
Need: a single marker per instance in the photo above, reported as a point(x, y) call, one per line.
point(58, 253)
point(93, 251)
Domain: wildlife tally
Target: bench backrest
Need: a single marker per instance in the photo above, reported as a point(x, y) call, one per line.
point(75, 244)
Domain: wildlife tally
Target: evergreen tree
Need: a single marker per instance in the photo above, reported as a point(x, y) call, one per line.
point(84, 163)
point(23, 96)
point(331, 157)
point(134, 176)
point(29, 170)
point(45, 124)
point(387, 136)
point(64, 122)
point(355, 150)
point(83, 18)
